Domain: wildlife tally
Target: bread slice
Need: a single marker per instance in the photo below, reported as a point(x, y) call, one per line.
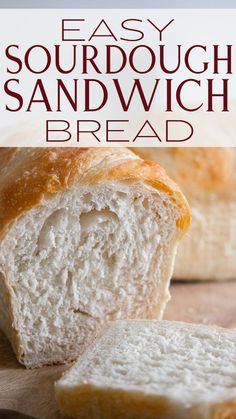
point(86, 236)
point(153, 369)
point(207, 178)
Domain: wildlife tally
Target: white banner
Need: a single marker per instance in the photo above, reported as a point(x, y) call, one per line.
point(117, 78)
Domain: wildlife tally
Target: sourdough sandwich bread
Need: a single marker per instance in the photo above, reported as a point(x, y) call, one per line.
point(86, 236)
point(207, 177)
point(153, 369)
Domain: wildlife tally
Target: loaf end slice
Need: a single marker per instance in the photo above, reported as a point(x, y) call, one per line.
point(153, 369)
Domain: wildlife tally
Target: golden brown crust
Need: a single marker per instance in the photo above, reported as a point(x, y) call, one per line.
point(225, 410)
point(211, 169)
point(6, 154)
point(27, 175)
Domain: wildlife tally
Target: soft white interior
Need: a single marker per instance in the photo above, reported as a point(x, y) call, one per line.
point(208, 250)
point(193, 366)
point(85, 255)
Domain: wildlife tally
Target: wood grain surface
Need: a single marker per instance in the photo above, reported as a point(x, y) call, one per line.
point(31, 391)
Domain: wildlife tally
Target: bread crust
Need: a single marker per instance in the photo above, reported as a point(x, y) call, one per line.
point(200, 168)
point(27, 175)
point(225, 410)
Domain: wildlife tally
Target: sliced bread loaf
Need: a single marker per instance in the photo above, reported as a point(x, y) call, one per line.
point(86, 236)
point(153, 369)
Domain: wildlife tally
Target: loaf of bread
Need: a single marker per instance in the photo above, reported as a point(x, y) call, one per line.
point(207, 176)
point(86, 236)
point(153, 370)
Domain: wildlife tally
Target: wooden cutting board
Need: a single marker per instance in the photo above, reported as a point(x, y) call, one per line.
point(31, 391)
